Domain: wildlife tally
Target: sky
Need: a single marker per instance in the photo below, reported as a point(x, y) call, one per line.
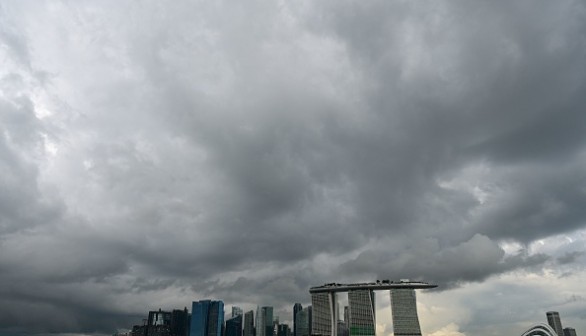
point(158, 153)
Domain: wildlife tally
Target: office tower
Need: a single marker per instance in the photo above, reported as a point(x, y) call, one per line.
point(236, 311)
point(569, 332)
point(296, 309)
point(346, 315)
point(207, 318)
point(554, 321)
point(325, 315)
point(404, 312)
point(234, 326)
point(361, 312)
point(302, 322)
point(249, 324)
point(180, 322)
point(264, 321)
point(283, 330)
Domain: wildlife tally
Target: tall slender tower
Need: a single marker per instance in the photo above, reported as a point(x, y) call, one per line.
point(302, 322)
point(554, 321)
point(296, 309)
point(264, 321)
point(404, 310)
point(249, 323)
point(361, 312)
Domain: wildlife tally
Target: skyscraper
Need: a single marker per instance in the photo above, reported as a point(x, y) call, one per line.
point(296, 309)
point(302, 322)
point(325, 316)
point(180, 322)
point(554, 321)
point(283, 330)
point(404, 311)
point(207, 318)
point(361, 312)
point(234, 326)
point(264, 321)
point(249, 323)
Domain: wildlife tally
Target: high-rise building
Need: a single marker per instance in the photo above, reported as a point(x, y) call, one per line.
point(569, 331)
point(302, 322)
point(234, 326)
point(283, 330)
point(404, 312)
point(554, 321)
point(346, 315)
point(264, 321)
point(296, 309)
point(180, 322)
point(249, 324)
point(325, 315)
point(207, 318)
point(236, 311)
point(361, 312)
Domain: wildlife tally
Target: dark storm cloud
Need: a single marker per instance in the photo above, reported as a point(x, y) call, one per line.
point(203, 150)
point(473, 260)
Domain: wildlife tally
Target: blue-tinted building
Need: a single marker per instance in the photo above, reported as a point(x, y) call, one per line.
point(207, 318)
point(234, 326)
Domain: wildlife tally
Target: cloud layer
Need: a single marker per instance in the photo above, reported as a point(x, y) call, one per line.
point(154, 154)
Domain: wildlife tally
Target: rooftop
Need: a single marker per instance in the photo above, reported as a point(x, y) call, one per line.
point(378, 285)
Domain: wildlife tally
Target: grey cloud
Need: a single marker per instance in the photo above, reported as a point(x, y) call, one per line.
point(233, 152)
point(471, 261)
point(570, 257)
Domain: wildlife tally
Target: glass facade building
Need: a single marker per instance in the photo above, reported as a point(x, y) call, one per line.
point(554, 321)
point(264, 321)
point(302, 322)
point(234, 326)
point(207, 318)
point(249, 323)
point(296, 309)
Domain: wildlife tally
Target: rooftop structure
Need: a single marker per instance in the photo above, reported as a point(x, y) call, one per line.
point(378, 285)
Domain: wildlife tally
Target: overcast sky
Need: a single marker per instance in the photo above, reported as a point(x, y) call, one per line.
point(157, 153)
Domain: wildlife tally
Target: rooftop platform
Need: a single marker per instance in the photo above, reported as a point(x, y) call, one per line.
point(378, 285)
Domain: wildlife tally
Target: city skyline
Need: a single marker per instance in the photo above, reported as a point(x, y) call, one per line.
point(358, 320)
point(153, 153)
